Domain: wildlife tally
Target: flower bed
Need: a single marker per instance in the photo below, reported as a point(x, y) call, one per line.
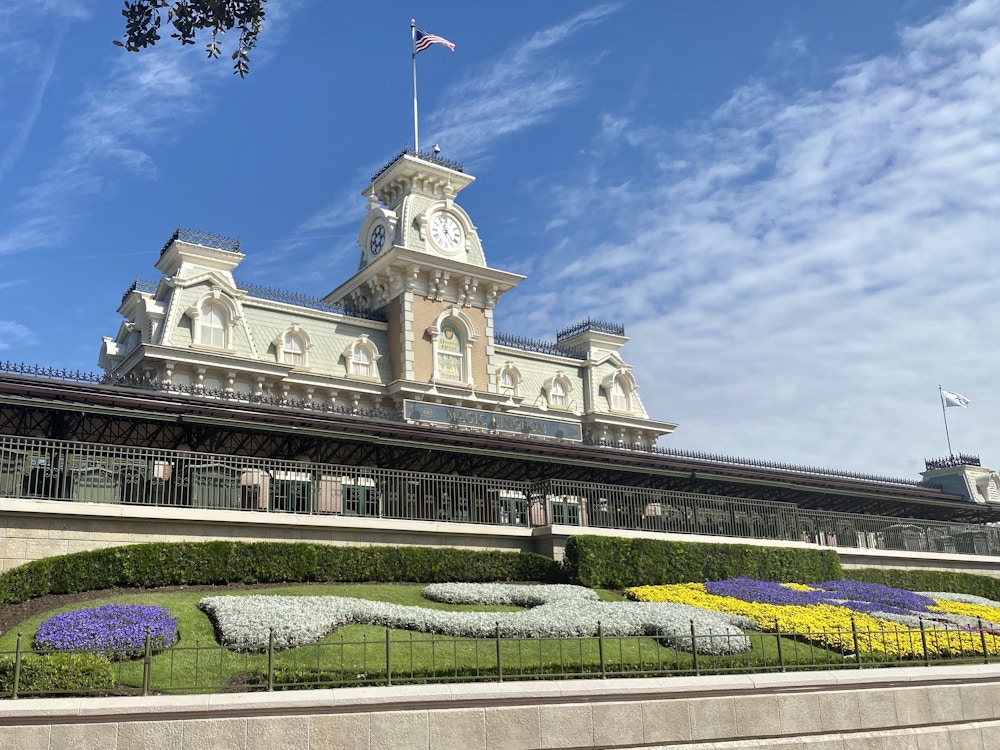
point(245, 622)
point(845, 615)
point(117, 631)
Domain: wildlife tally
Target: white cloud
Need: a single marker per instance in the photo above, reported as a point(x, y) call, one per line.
point(142, 101)
point(522, 88)
point(805, 268)
point(14, 334)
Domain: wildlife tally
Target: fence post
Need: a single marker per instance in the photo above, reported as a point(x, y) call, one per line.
point(982, 639)
point(923, 642)
point(17, 668)
point(694, 649)
point(499, 667)
point(600, 648)
point(388, 659)
point(147, 664)
point(857, 646)
point(270, 660)
point(777, 639)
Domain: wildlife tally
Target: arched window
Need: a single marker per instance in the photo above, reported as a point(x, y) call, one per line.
point(450, 354)
point(360, 358)
point(557, 394)
point(292, 350)
point(618, 396)
point(507, 384)
point(361, 361)
point(213, 326)
point(508, 380)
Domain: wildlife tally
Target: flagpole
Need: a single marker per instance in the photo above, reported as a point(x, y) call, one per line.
point(413, 49)
point(944, 413)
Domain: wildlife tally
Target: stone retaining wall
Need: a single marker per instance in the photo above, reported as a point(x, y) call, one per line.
point(914, 708)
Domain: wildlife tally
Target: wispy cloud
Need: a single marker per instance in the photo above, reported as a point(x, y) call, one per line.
point(142, 100)
point(522, 88)
point(14, 334)
point(809, 264)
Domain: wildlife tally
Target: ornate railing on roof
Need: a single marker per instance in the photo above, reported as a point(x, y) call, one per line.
point(962, 459)
point(194, 237)
point(754, 463)
point(424, 156)
point(140, 285)
point(128, 381)
point(590, 325)
point(278, 295)
point(536, 345)
point(304, 300)
point(55, 373)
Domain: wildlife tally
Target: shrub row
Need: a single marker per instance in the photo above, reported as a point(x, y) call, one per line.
point(82, 673)
point(931, 580)
point(613, 562)
point(213, 563)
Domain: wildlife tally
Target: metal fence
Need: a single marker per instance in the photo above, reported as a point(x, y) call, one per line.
point(910, 534)
point(386, 657)
point(96, 473)
point(86, 472)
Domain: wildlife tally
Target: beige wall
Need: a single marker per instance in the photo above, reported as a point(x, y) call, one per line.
point(914, 708)
point(33, 529)
point(393, 311)
point(425, 312)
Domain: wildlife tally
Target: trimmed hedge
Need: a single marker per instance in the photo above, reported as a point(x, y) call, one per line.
point(612, 562)
point(214, 563)
point(930, 580)
point(82, 673)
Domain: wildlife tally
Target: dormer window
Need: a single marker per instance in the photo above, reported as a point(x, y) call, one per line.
point(292, 347)
point(619, 397)
point(213, 326)
point(361, 358)
point(213, 318)
point(619, 389)
point(361, 362)
point(508, 381)
point(557, 395)
point(291, 352)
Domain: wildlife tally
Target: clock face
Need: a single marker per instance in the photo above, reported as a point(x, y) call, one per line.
point(446, 233)
point(377, 241)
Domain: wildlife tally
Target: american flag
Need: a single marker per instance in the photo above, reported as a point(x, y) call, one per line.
point(422, 40)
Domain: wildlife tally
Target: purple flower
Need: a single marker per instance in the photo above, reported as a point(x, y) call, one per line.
point(118, 631)
point(877, 596)
point(766, 592)
point(855, 595)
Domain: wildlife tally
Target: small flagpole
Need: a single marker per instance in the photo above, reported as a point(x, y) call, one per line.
point(413, 49)
point(944, 413)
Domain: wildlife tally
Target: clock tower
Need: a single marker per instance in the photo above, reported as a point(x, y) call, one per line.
point(422, 263)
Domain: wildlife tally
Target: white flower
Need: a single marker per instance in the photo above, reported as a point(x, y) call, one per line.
point(246, 622)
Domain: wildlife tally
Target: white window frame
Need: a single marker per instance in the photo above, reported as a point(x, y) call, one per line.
point(353, 365)
point(282, 350)
point(210, 334)
point(558, 392)
point(618, 398)
point(454, 319)
point(217, 302)
point(510, 388)
point(621, 379)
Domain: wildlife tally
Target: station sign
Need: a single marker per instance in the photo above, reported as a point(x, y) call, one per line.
point(515, 424)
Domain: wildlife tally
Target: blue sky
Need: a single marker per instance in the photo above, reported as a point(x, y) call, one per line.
point(792, 207)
